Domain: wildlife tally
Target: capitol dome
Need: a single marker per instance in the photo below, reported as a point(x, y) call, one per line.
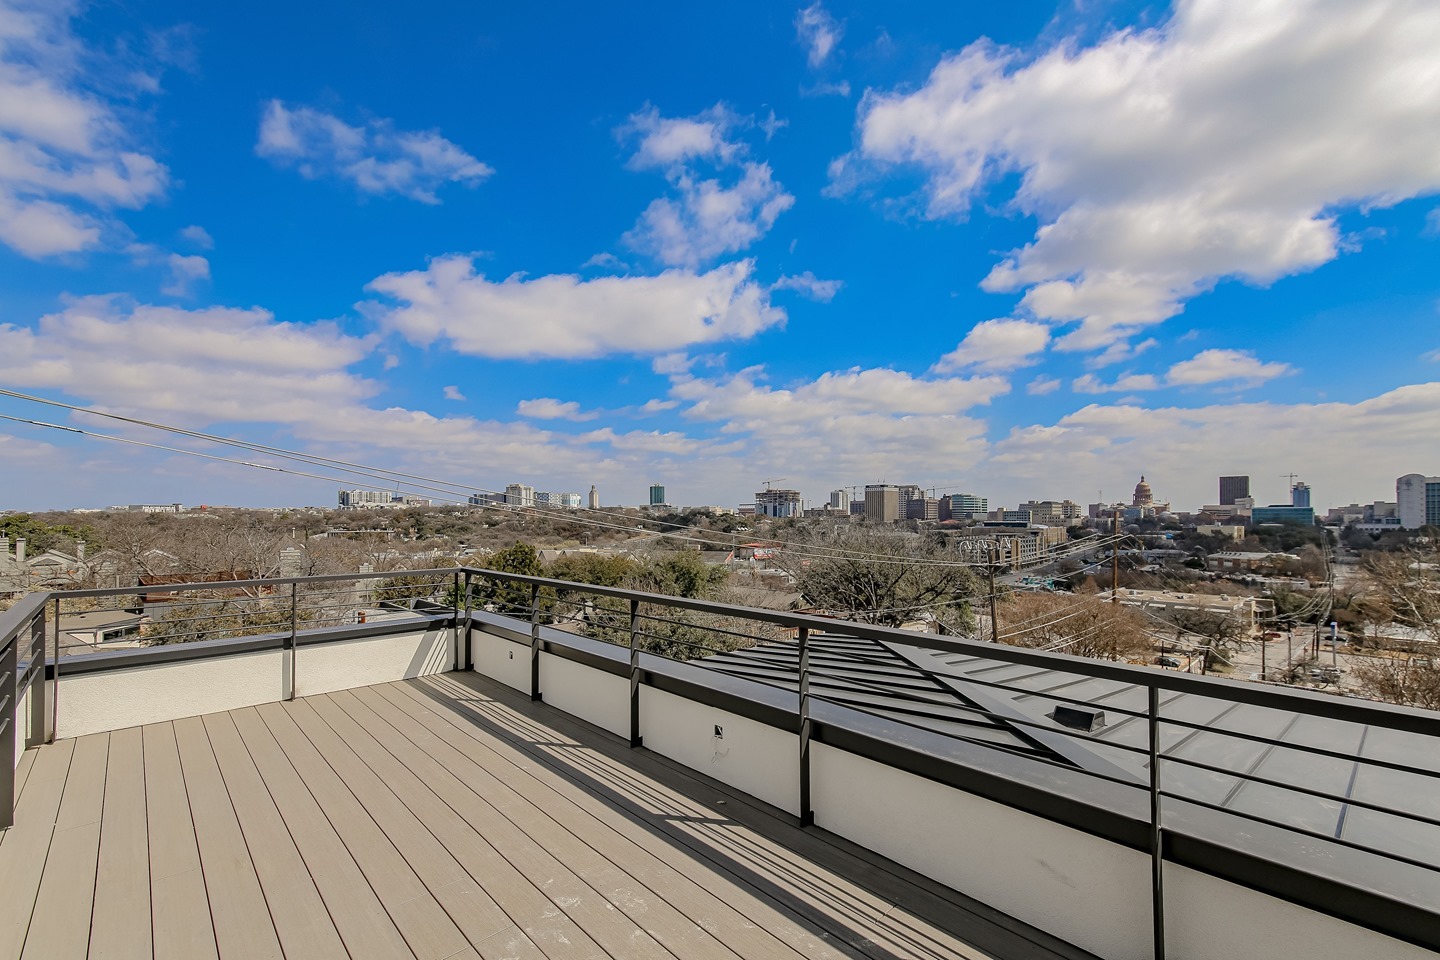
point(1143, 495)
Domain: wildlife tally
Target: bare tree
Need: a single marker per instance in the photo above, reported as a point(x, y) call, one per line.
point(880, 576)
point(1402, 589)
point(1084, 625)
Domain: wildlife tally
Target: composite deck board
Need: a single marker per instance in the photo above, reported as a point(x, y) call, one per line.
point(60, 924)
point(428, 929)
point(746, 912)
point(358, 914)
point(491, 808)
point(531, 797)
point(869, 924)
point(180, 924)
point(444, 818)
point(455, 862)
point(243, 925)
point(119, 925)
point(554, 882)
point(27, 843)
point(302, 923)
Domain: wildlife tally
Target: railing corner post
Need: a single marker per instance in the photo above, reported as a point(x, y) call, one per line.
point(535, 641)
point(1157, 834)
point(466, 658)
point(635, 738)
point(290, 640)
point(807, 813)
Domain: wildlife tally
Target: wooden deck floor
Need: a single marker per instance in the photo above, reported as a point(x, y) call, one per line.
point(436, 818)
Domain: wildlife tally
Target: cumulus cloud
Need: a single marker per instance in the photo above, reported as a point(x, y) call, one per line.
point(1239, 368)
point(1182, 450)
point(198, 236)
point(453, 393)
point(818, 32)
point(67, 161)
point(708, 219)
point(1002, 344)
point(548, 408)
point(1217, 366)
point(808, 285)
point(705, 216)
point(213, 364)
point(1232, 133)
point(563, 315)
point(185, 273)
point(665, 142)
point(377, 158)
point(1042, 385)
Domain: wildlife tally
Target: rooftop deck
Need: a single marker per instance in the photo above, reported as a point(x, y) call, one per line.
point(439, 817)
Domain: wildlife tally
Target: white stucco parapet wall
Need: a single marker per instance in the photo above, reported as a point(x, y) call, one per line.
point(1089, 891)
point(151, 693)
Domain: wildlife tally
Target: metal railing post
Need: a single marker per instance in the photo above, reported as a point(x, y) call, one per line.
point(635, 738)
point(9, 697)
point(55, 694)
point(455, 618)
point(1157, 835)
point(41, 729)
point(290, 640)
point(467, 662)
point(807, 814)
point(534, 641)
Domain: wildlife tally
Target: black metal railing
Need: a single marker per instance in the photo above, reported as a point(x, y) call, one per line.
point(22, 675)
point(1152, 756)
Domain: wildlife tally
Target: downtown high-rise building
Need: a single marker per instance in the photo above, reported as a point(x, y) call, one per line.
point(1300, 494)
point(882, 502)
point(657, 494)
point(1417, 501)
point(594, 498)
point(1232, 489)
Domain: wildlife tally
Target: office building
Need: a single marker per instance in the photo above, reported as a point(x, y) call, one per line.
point(520, 495)
point(594, 498)
point(965, 506)
point(1418, 501)
point(882, 502)
point(778, 503)
point(840, 501)
point(1233, 488)
point(1300, 494)
point(657, 494)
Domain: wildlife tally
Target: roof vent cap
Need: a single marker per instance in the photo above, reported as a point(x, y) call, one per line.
point(1078, 718)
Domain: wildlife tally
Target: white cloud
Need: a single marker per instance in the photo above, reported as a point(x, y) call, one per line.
point(808, 285)
point(772, 125)
point(1231, 134)
point(838, 89)
point(1432, 224)
point(1089, 383)
point(548, 408)
point(708, 219)
point(185, 273)
point(1042, 386)
point(377, 158)
point(652, 407)
point(563, 315)
point(668, 142)
point(1002, 344)
point(606, 261)
point(1237, 367)
point(452, 392)
point(211, 364)
point(67, 160)
point(1216, 366)
point(198, 236)
point(818, 32)
point(706, 216)
point(1120, 351)
point(1433, 356)
point(1182, 450)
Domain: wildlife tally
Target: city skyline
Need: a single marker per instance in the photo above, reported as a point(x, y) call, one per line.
point(474, 250)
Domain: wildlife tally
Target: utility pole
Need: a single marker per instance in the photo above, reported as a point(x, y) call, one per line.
point(1115, 563)
point(994, 615)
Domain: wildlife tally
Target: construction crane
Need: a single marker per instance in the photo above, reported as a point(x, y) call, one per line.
point(770, 481)
point(1291, 477)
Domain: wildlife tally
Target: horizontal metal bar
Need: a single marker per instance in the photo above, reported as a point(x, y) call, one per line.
point(1303, 748)
point(1328, 838)
point(1308, 791)
point(264, 581)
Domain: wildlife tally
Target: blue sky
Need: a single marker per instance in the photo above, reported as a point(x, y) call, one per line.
point(1024, 252)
